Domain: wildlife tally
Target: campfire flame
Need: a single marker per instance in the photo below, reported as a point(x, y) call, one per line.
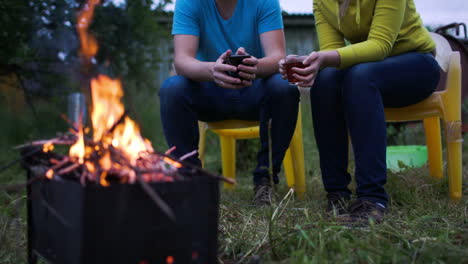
point(88, 44)
point(107, 111)
point(113, 130)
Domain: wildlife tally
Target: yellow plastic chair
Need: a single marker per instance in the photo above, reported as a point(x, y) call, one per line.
point(230, 130)
point(445, 105)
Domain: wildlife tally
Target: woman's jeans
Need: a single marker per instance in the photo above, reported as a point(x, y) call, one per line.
point(184, 102)
point(352, 101)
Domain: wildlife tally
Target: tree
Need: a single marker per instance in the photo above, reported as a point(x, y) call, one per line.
point(129, 38)
point(38, 41)
point(15, 31)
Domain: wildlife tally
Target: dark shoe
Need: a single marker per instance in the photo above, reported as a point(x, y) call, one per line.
point(361, 211)
point(337, 203)
point(263, 193)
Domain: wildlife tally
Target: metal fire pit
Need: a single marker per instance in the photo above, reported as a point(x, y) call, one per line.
point(69, 223)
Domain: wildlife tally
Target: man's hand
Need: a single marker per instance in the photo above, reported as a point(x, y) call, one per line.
point(308, 74)
point(219, 69)
point(248, 70)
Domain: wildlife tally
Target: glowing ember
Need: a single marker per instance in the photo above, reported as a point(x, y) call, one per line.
point(47, 147)
point(170, 260)
point(49, 174)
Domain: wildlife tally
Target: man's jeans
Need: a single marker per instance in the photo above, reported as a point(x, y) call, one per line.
point(184, 102)
point(353, 100)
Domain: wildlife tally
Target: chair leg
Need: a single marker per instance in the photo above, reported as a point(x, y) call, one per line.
point(228, 157)
point(454, 159)
point(202, 142)
point(297, 152)
point(434, 146)
point(452, 125)
point(288, 164)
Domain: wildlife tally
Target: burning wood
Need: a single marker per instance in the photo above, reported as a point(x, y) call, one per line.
point(115, 151)
point(83, 206)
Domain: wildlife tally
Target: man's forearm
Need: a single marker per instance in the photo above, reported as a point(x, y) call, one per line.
point(194, 69)
point(268, 65)
point(201, 71)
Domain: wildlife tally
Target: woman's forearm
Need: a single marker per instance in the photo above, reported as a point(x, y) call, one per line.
point(329, 58)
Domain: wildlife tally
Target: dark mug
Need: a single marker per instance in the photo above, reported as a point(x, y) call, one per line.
point(236, 60)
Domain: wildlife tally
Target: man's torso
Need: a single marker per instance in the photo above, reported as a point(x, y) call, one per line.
point(216, 34)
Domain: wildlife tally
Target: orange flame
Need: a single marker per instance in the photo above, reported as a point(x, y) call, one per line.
point(89, 46)
point(78, 149)
point(107, 111)
point(112, 129)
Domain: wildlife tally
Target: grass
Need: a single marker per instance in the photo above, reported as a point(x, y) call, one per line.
point(423, 226)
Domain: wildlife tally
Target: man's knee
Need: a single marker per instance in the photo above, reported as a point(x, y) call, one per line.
point(174, 87)
point(277, 87)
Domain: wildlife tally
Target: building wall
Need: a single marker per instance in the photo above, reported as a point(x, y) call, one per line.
point(301, 36)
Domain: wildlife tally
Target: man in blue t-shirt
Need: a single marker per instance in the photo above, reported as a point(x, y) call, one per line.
point(206, 32)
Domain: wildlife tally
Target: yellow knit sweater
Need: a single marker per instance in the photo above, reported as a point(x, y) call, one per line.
point(376, 29)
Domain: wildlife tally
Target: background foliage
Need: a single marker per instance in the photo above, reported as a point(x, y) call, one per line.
point(38, 48)
point(39, 41)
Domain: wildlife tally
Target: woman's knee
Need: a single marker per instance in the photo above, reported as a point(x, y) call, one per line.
point(327, 76)
point(358, 79)
point(327, 84)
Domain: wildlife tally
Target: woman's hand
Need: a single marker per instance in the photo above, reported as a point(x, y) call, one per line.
point(219, 75)
point(308, 74)
point(248, 69)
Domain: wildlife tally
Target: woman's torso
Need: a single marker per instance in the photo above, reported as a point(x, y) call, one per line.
point(356, 23)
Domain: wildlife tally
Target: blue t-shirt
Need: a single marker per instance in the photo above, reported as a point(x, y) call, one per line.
point(216, 35)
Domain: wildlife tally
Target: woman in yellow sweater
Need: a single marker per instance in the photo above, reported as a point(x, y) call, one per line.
point(389, 63)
